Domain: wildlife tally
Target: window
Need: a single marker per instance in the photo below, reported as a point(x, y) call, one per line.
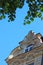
point(42, 60)
point(26, 50)
point(31, 64)
point(29, 48)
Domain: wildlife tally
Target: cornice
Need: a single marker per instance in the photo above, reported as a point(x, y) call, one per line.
point(29, 55)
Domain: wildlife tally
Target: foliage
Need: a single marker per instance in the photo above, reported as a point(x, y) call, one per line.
point(8, 7)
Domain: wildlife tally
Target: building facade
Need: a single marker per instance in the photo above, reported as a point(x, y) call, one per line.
point(29, 51)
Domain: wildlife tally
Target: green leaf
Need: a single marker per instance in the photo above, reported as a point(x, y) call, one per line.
point(28, 13)
point(7, 4)
point(39, 14)
point(3, 16)
point(26, 17)
point(41, 18)
point(24, 23)
point(41, 9)
point(28, 22)
point(0, 18)
point(32, 19)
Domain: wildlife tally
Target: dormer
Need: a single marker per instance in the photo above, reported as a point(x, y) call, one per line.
point(29, 48)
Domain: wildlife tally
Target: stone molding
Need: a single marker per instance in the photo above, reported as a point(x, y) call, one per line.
point(29, 56)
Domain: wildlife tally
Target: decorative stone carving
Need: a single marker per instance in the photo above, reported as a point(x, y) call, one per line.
point(29, 57)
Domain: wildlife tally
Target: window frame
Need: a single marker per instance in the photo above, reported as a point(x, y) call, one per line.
point(29, 48)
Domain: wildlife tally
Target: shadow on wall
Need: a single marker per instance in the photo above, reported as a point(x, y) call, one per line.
point(42, 38)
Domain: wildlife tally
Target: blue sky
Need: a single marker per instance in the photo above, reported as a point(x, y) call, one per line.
point(11, 33)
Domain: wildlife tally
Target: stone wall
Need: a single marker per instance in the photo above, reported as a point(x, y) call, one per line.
point(38, 60)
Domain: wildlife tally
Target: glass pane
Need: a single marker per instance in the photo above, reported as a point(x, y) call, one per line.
point(29, 48)
point(31, 64)
point(42, 60)
point(26, 50)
